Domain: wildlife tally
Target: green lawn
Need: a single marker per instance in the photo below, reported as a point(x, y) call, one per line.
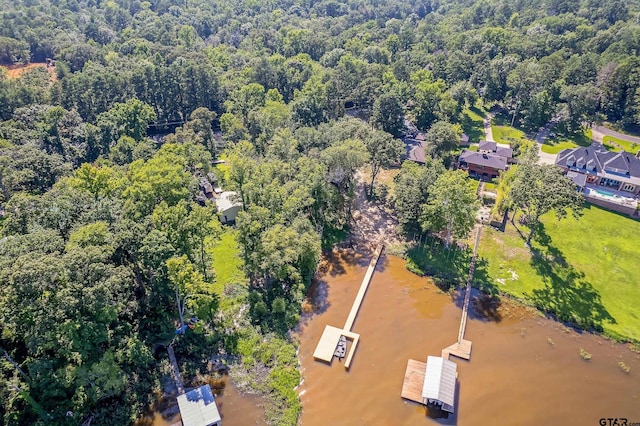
point(507, 134)
point(585, 271)
point(556, 144)
point(491, 186)
point(472, 124)
point(227, 261)
point(614, 144)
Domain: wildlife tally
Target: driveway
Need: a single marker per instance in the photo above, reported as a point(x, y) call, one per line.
point(540, 137)
point(486, 122)
point(600, 131)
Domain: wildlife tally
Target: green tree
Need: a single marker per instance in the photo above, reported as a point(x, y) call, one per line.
point(411, 191)
point(443, 138)
point(384, 150)
point(539, 189)
point(191, 290)
point(452, 205)
point(130, 118)
point(388, 114)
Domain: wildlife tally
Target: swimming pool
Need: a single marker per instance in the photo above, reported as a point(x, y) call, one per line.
point(604, 192)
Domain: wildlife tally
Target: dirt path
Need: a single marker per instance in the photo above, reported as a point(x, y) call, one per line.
point(372, 221)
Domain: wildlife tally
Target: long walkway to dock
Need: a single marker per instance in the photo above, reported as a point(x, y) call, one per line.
point(331, 335)
point(175, 371)
point(462, 348)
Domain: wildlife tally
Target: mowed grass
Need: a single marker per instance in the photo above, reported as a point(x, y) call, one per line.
point(584, 271)
point(472, 124)
point(615, 144)
point(227, 261)
point(558, 143)
point(507, 134)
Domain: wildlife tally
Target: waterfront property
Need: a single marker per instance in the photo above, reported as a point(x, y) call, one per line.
point(608, 179)
point(488, 161)
point(619, 171)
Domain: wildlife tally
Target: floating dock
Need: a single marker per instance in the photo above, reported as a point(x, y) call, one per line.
point(330, 338)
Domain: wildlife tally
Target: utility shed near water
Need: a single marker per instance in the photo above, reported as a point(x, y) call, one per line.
point(439, 386)
point(198, 408)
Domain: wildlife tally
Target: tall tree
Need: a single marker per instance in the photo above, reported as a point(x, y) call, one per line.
point(452, 205)
point(539, 189)
point(388, 114)
point(443, 138)
point(384, 150)
point(411, 191)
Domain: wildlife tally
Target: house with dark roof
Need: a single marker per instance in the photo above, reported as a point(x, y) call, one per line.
point(488, 161)
point(487, 147)
point(481, 164)
point(619, 171)
point(416, 148)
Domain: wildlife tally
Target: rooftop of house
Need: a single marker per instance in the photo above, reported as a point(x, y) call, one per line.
point(596, 160)
point(577, 178)
point(494, 161)
point(227, 200)
point(503, 150)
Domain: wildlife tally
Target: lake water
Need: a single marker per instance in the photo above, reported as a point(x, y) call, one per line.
point(236, 409)
point(524, 369)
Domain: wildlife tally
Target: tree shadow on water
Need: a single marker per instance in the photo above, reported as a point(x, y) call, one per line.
point(566, 293)
point(486, 302)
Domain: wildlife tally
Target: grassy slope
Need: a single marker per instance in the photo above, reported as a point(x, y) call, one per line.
point(614, 144)
point(504, 134)
point(586, 270)
point(557, 144)
point(227, 261)
point(269, 363)
point(472, 124)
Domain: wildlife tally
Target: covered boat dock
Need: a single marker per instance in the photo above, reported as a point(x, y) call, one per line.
point(432, 383)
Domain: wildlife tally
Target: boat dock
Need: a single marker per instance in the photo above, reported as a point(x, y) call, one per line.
point(414, 381)
point(328, 343)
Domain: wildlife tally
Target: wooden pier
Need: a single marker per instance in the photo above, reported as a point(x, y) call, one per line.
point(462, 348)
point(175, 371)
point(331, 335)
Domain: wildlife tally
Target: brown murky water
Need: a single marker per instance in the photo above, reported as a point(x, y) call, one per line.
point(236, 409)
point(524, 369)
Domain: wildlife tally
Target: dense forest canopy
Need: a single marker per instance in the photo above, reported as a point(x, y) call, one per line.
point(101, 234)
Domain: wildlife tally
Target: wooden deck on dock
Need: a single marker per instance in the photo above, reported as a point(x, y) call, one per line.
point(329, 339)
point(413, 381)
point(461, 350)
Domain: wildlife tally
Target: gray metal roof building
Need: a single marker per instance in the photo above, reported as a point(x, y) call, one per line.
point(198, 408)
point(440, 383)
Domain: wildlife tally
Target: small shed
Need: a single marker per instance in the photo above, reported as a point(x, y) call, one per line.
point(198, 408)
point(228, 206)
point(439, 386)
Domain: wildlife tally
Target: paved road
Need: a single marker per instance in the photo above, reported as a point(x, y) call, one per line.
point(599, 132)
